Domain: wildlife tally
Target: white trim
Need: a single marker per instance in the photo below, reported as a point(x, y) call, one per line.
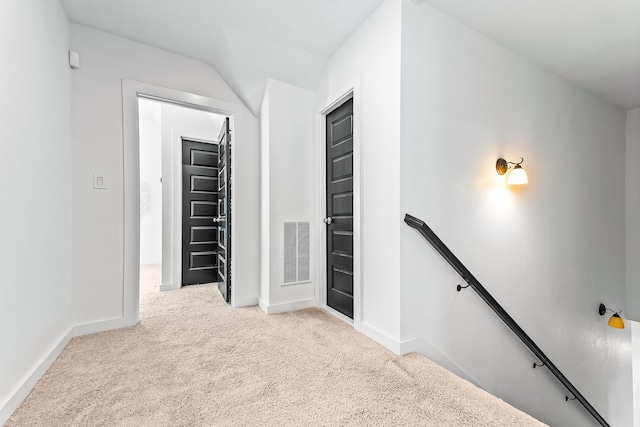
point(422, 346)
point(102, 326)
point(131, 90)
point(352, 90)
point(169, 287)
point(16, 398)
point(287, 306)
point(337, 314)
point(418, 345)
point(381, 338)
point(246, 302)
point(21, 392)
point(338, 102)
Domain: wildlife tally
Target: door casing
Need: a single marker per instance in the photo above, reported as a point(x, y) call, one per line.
point(321, 291)
point(131, 91)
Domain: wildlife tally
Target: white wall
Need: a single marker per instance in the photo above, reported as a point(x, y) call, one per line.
point(369, 64)
point(549, 252)
point(35, 184)
point(632, 163)
point(97, 137)
point(287, 182)
point(149, 119)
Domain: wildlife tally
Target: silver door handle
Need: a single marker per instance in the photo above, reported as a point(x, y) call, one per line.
point(219, 219)
point(328, 220)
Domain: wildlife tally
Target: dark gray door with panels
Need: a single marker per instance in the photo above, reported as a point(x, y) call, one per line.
point(339, 212)
point(199, 208)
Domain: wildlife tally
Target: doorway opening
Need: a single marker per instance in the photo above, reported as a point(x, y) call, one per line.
point(179, 195)
point(132, 91)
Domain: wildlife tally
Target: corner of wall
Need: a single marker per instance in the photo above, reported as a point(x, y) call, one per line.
point(35, 303)
point(382, 338)
point(17, 396)
point(632, 214)
point(264, 199)
point(287, 192)
point(635, 369)
point(421, 346)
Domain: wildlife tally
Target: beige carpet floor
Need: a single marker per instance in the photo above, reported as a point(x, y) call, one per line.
point(195, 361)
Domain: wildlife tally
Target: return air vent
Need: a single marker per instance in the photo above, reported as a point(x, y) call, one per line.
point(296, 252)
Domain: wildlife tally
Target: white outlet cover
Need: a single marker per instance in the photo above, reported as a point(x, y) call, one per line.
point(99, 182)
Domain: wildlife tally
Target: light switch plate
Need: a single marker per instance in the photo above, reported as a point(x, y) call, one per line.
point(99, 183)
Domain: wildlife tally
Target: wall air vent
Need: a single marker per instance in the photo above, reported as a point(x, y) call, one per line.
point(295, 252)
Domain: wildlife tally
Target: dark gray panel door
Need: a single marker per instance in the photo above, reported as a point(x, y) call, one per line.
point(199, 208)
point(339, 217)
point(224, 211)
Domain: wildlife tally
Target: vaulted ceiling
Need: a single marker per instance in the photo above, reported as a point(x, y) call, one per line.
point(246, 41)
point(595, 43)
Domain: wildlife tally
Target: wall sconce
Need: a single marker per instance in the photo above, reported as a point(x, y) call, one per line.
point(615, 321)
point(517, 176)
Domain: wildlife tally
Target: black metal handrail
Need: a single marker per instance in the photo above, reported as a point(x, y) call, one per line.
point(497, 308)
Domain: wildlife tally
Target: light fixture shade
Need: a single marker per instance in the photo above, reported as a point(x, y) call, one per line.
point(616, 321)
point(517, 176)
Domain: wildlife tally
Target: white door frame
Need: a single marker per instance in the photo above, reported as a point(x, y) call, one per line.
point(354, 92)
point(131, 91)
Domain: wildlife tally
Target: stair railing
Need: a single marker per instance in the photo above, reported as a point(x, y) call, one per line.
point(471, 281)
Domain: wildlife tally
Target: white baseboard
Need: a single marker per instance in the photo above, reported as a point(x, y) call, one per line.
point(422, 346)
point(104, 325)
point(381, 338)
point(288, 306)
point(417, 345)
point(11, 404)
point(169, 287)
point(336, 313)
point(245, 302)
point(263, 305)
point(7, 408)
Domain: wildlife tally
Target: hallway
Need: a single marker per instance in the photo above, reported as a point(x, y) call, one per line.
point(193, 360)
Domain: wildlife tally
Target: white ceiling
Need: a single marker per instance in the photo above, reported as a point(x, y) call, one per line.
point(246, 41)
point(595, 43)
